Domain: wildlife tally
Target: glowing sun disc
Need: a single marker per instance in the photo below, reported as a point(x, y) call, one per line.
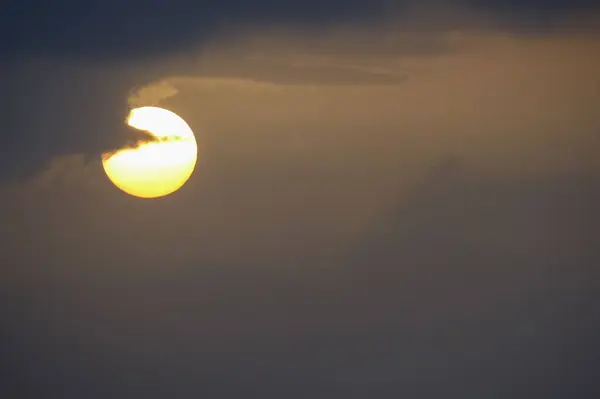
point(156, 168)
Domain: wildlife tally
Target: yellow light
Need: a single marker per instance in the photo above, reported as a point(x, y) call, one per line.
point(156, 168)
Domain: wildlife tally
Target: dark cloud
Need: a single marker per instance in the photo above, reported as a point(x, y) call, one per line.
point(100, 29)
point(123, 30)
point(133, 138)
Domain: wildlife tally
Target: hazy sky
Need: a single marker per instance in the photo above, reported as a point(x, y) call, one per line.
point(392, 199)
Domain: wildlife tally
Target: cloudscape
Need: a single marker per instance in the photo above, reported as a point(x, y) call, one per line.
point(391, 199)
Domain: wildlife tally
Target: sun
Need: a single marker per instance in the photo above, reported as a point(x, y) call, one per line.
point(158, 167)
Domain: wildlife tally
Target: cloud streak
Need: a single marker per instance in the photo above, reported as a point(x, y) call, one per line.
point(133, 138)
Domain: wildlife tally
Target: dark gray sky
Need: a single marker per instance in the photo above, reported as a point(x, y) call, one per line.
point(392, 199)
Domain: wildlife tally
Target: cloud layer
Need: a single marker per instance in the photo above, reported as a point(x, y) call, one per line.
point(393, 210)
point(299, 125)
